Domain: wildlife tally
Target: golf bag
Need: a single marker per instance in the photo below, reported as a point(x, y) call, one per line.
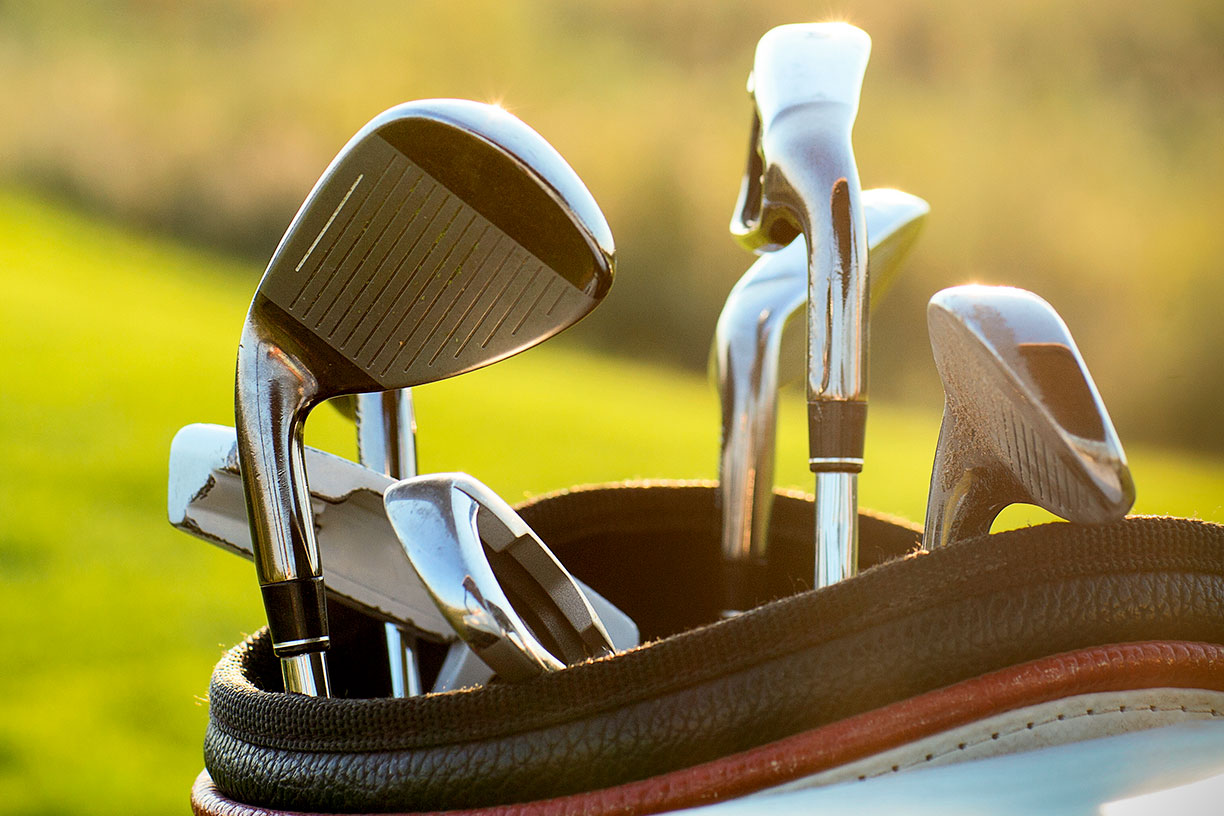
point(995, 644)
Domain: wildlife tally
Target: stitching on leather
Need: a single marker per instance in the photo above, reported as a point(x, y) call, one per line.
point(1034, 725)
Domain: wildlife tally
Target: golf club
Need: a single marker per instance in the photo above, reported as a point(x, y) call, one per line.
point(493, 579)
point(402, 267)
point(1022, 421)
point(801, 179)
point(751, 358)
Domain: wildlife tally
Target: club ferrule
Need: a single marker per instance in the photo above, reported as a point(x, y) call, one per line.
point(835, 437)
point(297, 616)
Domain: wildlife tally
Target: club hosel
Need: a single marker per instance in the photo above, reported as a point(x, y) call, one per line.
point(837, 320)
point(286, 553)
point(297, 616)
point(272, 394)
point(972, 505)
point(835, 225)
point(963, 500)
point(811, 183)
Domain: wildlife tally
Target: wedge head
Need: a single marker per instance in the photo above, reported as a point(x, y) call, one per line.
point(1023, 420)
point(805, 85)
point(446, 235)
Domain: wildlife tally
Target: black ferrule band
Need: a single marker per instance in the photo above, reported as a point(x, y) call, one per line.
point(836, 429)
point(297, 615)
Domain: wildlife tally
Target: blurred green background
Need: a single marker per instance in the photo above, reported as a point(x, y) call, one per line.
point(151, 154)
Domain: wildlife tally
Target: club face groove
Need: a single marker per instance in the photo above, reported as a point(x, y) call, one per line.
point(1023, 421)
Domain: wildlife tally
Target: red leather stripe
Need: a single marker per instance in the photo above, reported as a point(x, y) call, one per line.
point(1121, 667)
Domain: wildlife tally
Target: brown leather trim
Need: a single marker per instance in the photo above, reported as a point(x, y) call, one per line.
point(1120, 667)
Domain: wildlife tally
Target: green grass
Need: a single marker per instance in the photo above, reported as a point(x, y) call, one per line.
point(111, 620)
point(1069, 148)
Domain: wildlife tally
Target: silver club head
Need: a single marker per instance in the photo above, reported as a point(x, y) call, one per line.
point(753, 355)
point(802, 179)
point(1022, 422)
point(492, 578)
point(445, 236)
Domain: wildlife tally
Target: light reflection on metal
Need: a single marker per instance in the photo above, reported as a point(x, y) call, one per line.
point(388, 277)
point(802, 179)
point(497, 584)
point(757, 348)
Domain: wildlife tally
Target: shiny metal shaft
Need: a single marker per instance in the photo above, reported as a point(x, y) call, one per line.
point(386, 432)
point(836, 385)
point(386, 442)
point(836, 527)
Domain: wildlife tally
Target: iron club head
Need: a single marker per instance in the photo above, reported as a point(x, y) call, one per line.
point(446, 235)
point(493, 579)
point(1023, 421)
point(805, 84)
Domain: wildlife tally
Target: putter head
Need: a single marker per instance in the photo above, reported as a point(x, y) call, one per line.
point(805, 83)
point(366, 567)
point(1023, 421)
point(758, 346)
point(492, 578)
point(445, 236)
